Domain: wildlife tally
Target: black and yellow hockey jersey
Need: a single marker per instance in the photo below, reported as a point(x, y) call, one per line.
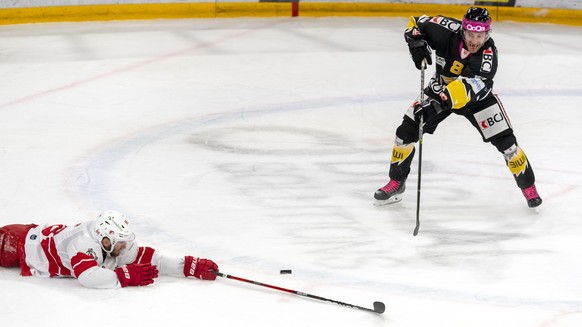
point(462, 79)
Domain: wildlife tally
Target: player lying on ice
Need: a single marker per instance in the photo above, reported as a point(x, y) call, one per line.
point(466, 62)
point(101, 253)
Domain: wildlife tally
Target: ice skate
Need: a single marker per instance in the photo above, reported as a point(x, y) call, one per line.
point(391, 193)
point(531, 196)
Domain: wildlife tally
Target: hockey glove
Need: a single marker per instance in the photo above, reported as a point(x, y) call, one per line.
point(428, 109)
point(419, 51)
point(199, 268)
point(137, 274)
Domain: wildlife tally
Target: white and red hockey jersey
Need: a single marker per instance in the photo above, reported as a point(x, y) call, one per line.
point(74, 251)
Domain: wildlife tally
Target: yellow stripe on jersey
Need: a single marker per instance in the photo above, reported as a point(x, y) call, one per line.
point(458, 93)
point(411, 23)
point(401, 152)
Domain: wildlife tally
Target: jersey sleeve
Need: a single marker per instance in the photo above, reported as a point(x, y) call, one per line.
point(412, 31)
point(434, 30)
point(170, 266)
point(167, 265)
point(81, 262)
point(84, 254)
point(97, 277)
point(86, 267)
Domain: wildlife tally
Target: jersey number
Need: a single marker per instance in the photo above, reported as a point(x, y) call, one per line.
point(457, 68)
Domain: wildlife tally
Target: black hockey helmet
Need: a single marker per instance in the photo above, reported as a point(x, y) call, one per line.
point(477, 20)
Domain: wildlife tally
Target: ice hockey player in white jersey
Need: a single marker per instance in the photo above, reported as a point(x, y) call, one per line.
point(101, 253)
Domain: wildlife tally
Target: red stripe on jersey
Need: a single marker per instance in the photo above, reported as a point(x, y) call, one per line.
point(144, 255)
point(56, 267)
point(81, 262)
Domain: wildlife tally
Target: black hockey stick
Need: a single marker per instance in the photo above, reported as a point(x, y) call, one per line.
point(378, 306)
point(420, 132)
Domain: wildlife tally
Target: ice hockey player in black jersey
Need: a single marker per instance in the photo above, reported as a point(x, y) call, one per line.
point(466, 62)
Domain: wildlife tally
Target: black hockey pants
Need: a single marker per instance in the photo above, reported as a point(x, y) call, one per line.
point(488, 117)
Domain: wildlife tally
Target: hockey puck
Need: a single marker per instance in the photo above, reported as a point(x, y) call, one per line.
point(285, 271)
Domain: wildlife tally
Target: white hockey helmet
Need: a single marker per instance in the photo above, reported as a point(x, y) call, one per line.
point(115, 226)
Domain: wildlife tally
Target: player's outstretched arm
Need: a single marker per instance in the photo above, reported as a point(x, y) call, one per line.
point(188, 266)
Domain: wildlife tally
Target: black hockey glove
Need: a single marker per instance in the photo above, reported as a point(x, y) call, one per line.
point(419, 51)
point(428, 109)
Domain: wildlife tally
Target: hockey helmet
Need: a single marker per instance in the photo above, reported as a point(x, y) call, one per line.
point(477, 20)
point(115, 226)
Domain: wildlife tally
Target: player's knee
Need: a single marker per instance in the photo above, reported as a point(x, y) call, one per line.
point(407, 132)
point(504, 143)
point(510, 152)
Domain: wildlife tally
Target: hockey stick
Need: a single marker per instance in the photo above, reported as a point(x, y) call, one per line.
point(378, 306)
point(420, 132)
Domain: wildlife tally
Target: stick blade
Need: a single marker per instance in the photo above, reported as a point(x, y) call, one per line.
point(379, 307)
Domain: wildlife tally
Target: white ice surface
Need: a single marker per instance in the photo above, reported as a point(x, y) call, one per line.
point(259, 143)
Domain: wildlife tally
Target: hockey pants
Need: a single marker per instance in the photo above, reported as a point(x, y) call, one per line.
point(12, 244)
point(488, 117)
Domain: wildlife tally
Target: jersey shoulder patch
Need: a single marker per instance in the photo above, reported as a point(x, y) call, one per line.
point(88, 246)
point(452, 25)
point(487, 60)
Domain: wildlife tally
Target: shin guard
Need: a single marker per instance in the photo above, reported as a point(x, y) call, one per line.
point(402, 155)
point(519, 166)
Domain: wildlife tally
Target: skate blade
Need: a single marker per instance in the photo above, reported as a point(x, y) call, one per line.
point(535, 209)
point(392, 200)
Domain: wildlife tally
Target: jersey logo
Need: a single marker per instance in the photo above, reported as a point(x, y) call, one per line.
point(451, 25)
point(517, 163)
point(444, 97)
point(401, 152)
point(487, 62)
point(476, 84)
point(435, 85)
point(423, 18)
point(90, 252)
point(491, 121)
point(440, 61)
